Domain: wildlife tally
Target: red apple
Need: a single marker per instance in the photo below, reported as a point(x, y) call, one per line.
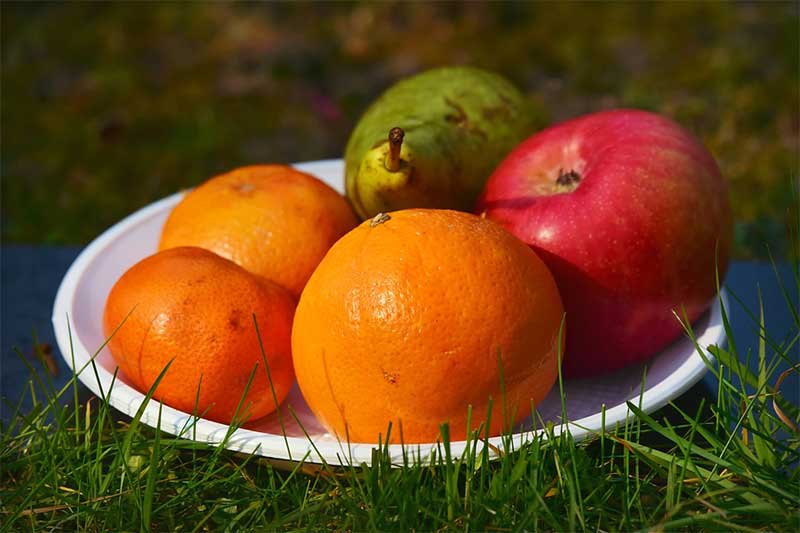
point(632, 216)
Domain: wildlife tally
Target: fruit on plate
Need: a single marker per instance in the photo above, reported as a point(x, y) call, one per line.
point(195, 309)
point(632, 216)
point(273, 220)
point(433, 139)
point(410, 317)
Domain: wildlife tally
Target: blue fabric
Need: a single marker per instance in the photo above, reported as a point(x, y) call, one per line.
point(743, 282)
point(30, 278)
point(31, 275)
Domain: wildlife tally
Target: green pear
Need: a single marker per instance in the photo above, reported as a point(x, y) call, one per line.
point(432, 140)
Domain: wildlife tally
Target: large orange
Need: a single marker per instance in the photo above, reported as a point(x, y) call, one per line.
point(271, 219)
point(194, 308)
point(405, 317)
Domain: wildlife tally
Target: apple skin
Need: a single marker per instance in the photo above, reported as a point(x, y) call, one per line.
point(639, 229)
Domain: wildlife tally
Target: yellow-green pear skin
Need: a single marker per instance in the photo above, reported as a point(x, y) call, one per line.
point(458, 124)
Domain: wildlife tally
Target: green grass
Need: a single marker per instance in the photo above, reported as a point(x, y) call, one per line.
point(730, 464)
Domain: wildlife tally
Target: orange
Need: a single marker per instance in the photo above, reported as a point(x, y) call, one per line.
point(194, 308)
point(410, 317)
point(273, 220)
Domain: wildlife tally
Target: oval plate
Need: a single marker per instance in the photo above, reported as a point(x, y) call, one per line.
point(297, 434)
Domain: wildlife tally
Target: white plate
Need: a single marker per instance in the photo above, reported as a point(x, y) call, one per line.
point(82, 295)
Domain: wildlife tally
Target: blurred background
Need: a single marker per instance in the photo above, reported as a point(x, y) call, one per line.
point(108, 107)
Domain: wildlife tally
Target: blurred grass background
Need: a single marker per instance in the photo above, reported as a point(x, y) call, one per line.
point(107, 107)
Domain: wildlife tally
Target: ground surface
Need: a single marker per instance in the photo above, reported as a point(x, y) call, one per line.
point(109, 107)
point(89, 468)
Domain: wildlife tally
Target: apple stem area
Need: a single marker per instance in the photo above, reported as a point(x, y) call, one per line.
point(567, 181)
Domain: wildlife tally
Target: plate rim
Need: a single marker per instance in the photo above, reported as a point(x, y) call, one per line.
point(280, 446)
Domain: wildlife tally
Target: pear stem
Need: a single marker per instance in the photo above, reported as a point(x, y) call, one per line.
point(392, 162)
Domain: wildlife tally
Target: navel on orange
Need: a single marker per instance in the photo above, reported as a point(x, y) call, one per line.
point(272, 220)
point(193, 308)
point(404, 321)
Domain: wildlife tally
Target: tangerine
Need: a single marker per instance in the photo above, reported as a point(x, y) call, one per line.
point(412, 317)
point(195, 309)
point(273, 220)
